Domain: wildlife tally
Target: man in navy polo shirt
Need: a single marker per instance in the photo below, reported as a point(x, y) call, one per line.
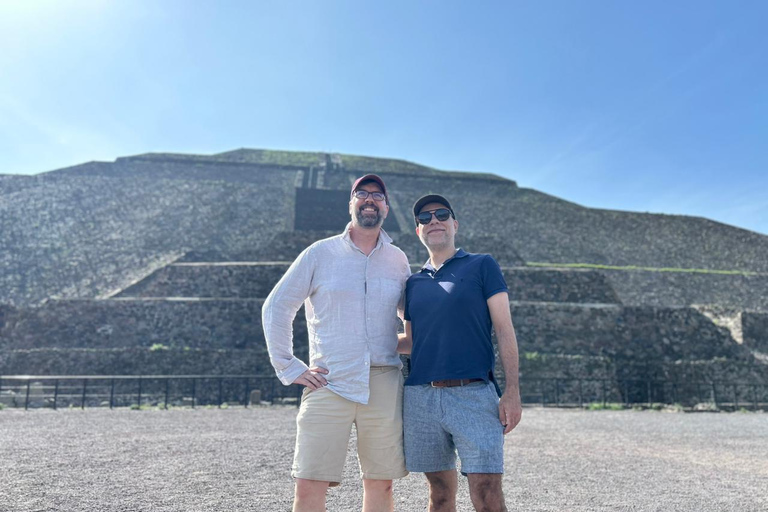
point(451, 400)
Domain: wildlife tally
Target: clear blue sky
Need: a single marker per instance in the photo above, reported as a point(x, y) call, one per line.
point(647, 106)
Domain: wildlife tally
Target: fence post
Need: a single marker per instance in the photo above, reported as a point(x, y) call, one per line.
point(735, 397)
point(557, 392)
point(714, 395)
point(247, 392)
point(139, 392)
point(754, 395)
point(167, 381)
point(26, 400)
point(112, 393)
point(221, 390)
point(194, 392)
point(85, 384)
point(581, 394)
point(55, 393)
point(648, 390)
point(605, 400)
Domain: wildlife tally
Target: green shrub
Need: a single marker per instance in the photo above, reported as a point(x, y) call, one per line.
point(598, 406)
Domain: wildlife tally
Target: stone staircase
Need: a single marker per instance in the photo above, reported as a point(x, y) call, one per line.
point(205, 318)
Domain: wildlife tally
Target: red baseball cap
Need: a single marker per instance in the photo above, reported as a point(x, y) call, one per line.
point(370, 177)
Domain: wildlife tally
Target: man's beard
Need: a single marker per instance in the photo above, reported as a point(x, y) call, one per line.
point(369, 221)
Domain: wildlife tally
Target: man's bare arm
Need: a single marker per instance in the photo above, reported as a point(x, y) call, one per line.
point(405, 340)
point(510, 407)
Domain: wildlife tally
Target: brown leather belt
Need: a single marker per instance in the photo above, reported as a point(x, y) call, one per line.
point(452, 382)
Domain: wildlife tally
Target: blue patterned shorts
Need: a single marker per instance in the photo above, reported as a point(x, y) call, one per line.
point(438, 422)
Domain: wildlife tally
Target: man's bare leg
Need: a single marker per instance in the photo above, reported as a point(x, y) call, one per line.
point(310, 495)
point(443, 486)
point(486, 492)
point(377, 496)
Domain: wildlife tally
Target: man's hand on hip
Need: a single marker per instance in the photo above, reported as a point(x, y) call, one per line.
point(313, 378)
point(510, 410)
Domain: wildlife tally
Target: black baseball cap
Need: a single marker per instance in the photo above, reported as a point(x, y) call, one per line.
point(431, 198)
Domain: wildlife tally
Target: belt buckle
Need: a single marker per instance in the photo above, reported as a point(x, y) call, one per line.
point(439, 385)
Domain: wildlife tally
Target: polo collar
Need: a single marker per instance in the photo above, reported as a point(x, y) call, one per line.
point(460, 253)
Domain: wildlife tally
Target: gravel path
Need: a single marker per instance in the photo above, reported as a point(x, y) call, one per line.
point(239, 459)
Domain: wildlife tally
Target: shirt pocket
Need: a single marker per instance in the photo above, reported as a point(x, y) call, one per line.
point(388, 291)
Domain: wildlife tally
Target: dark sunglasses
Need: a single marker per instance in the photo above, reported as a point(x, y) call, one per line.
point(363, 194)
point(442, 214)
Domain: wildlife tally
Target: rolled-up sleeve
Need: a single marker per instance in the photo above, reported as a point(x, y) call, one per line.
point(278, 314)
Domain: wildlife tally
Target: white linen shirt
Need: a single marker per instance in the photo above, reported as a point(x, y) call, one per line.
point(351, 303)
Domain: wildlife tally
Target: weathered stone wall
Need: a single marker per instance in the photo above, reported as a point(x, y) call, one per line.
point(618, 365)
point(320, 210)
point(548, 229)
point(656, 334)
point(755, 331)
point(554, 378)
point(91, 230)
point(654, 288)
point(10, 184)
point(543, 228)
point(5, 312)
point(541, 285)
point(86, 230)
point(256, 280)
point(135, 361)
point(186, 167)
point(85, 237)
point(192, 323)
point(245, 280)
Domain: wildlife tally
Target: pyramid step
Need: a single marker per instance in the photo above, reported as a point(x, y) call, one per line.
point(180, 323)
point(256, 280)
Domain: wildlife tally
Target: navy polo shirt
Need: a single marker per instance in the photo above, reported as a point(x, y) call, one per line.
point(450, 320)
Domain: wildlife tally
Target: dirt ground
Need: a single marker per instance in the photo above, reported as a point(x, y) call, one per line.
point(238, 460)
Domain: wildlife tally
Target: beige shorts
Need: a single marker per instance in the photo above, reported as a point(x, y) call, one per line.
point(325, 421)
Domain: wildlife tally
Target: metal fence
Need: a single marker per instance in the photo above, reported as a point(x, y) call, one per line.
point(582, 392)
point(145, 390)
point(29, 391)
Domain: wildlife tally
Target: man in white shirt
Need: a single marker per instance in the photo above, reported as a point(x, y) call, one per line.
point(351, 286)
